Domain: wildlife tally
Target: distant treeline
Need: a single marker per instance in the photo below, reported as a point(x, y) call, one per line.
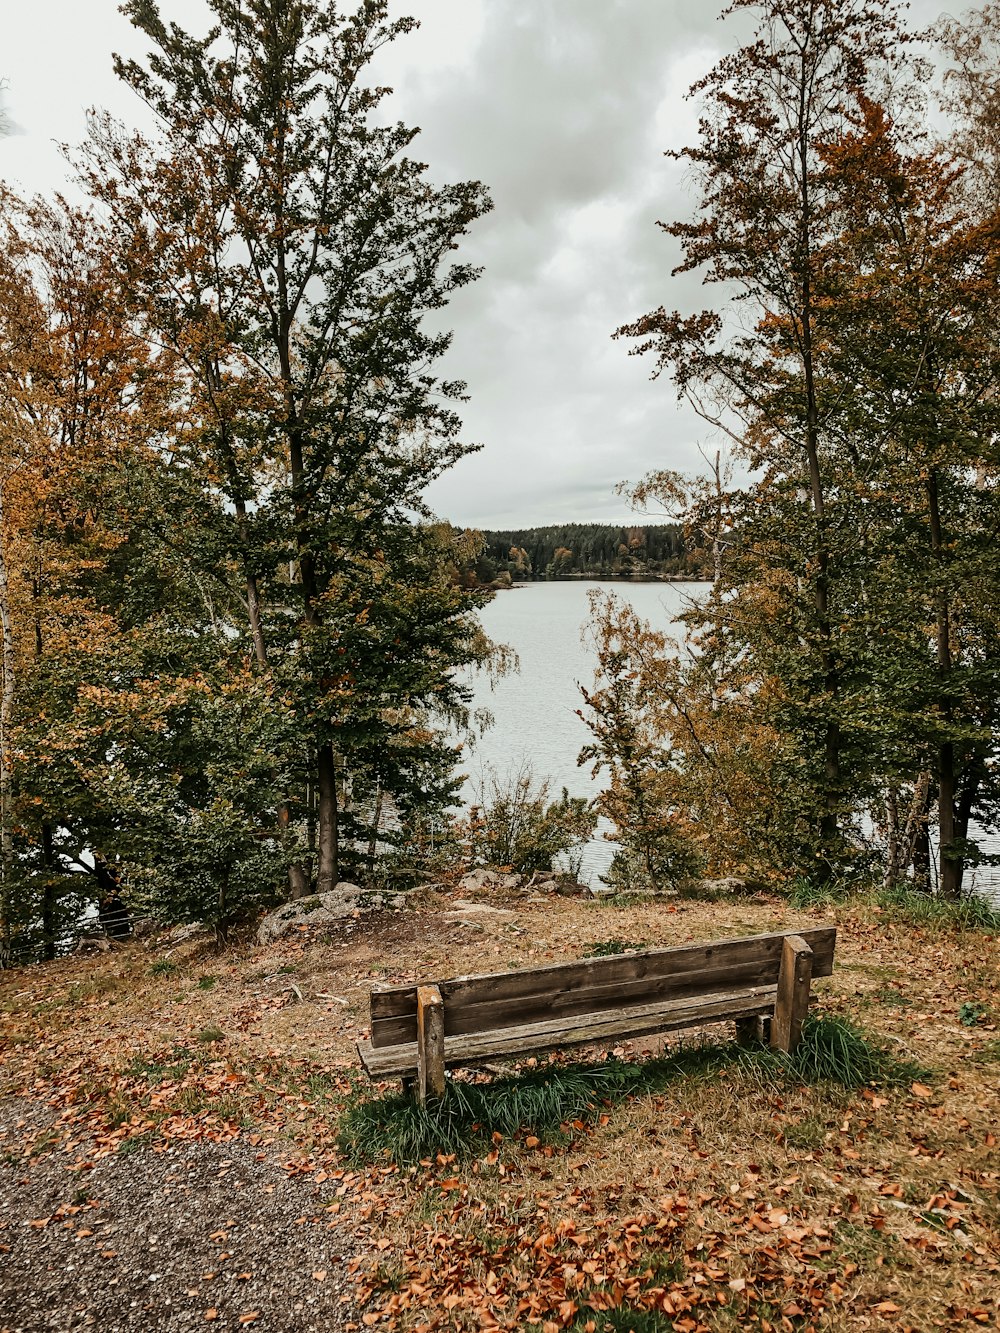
point(586, 550)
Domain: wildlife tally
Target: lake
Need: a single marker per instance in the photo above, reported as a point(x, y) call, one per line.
point(535, 709)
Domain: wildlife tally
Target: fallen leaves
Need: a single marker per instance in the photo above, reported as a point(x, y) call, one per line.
point(584, 1262)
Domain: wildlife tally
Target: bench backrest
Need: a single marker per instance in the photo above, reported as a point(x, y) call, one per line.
point(509, 999)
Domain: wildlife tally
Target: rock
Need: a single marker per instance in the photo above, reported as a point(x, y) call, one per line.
point(476, 880)
point(483, 879)
point(88, 944)
point(180, 934)
point(323, 909)
point(728, 887)
point(143, 927)
point(465, 909)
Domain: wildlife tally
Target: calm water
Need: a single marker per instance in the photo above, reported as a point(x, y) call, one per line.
point(535, 710)
point(536, 723)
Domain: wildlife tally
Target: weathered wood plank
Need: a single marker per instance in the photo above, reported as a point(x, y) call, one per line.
point(430, 1043)
point(792, 1001)
point(391, 1000)
point(517, 998)
point(595, 1029)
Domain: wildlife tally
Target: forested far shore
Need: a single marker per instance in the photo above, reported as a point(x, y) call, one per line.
point(583, 550)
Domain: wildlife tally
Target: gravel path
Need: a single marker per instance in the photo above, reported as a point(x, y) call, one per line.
point(204, 1236)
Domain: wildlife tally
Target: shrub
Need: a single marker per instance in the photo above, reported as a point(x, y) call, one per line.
point(518, 826)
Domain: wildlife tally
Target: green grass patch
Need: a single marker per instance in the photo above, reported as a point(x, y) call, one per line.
point(889, 995)
point(901, 904)
point(206, 982)
point(804, 893)
point(620, 1321)
point(924, 909)
point(163, 967)
point(545, 1101)
point(833, 1050)
point(172, 1067)
point(809, 1132)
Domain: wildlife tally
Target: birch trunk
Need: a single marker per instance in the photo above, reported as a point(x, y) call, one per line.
point(6, 745)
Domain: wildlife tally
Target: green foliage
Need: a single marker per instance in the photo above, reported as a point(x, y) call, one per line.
point(806, 893)
point(545, 1101)
point(902, 903)
point(163, 967)
point(610, 948)
point(236, 635)
point(516, 825)
point(622, 1320)
point(833, 1050)
point(970, 1014)
point(931, 910)
point(843, 675)
point(594, 550)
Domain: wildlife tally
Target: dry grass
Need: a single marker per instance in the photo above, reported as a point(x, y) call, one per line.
point(902, 1188)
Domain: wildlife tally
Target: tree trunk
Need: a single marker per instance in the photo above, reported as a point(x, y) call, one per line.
point(829, 816)
point(913, 841)
point(49, 896)
point(6, 747)
point(951, 865)
point(327, 869)
point(892, 839)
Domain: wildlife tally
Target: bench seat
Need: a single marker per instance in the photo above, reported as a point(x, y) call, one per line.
point(582, 1029)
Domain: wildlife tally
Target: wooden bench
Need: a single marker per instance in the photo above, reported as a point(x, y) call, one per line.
point(418, 1031)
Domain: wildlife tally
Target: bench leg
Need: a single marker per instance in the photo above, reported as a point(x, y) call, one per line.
point(794, 980)
point(430, 1043)
point(750, 1031)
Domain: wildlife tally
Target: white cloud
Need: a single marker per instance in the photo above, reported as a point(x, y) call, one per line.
point(564, 108)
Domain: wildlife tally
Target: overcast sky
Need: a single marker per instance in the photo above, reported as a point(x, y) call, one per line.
point(563, 108)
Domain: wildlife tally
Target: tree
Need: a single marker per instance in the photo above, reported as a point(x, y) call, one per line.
point(753, 367)
point(864, 395)
point(912, 285)
point(290, 257)
point(78, 395)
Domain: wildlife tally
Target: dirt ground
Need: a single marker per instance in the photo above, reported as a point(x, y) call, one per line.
point(169, 1160)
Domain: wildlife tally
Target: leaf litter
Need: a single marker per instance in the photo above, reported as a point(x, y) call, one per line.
point(714, 1204)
